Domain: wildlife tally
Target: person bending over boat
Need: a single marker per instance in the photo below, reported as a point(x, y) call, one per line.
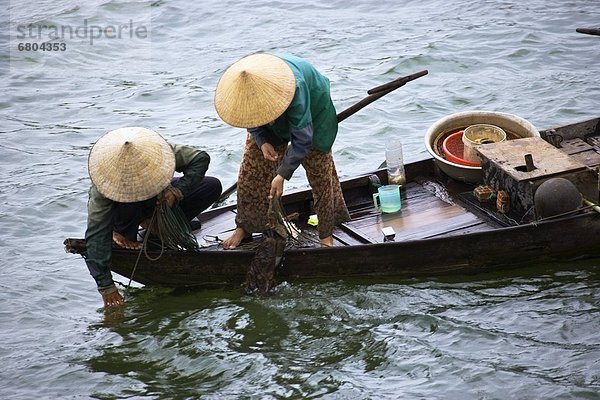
point(132, 172)
point(285, 105)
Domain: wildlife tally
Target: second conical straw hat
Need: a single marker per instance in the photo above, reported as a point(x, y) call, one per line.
point(255, 91)
point(131, 164)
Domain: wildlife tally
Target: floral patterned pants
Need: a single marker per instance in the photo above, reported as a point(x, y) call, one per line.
point(254, 185)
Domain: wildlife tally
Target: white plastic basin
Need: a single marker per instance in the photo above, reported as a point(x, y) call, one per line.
point(518, 126)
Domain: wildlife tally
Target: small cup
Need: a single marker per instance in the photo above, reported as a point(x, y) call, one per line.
point(389, 198)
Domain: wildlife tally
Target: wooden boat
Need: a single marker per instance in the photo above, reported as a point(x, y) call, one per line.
point(441, 229)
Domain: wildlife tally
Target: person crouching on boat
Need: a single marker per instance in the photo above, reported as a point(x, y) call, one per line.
point(129, 168)
point(285, 105)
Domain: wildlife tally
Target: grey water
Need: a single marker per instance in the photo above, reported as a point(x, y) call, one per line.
point(531, 333)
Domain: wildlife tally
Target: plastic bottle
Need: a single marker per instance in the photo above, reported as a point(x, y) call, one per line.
point(395, 163)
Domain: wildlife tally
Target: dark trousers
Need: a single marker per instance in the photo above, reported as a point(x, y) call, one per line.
point(128, 216)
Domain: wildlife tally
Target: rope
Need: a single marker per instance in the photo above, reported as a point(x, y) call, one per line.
point(173, 230)
point(147, 238)
point(590, 206)
point(143, 250)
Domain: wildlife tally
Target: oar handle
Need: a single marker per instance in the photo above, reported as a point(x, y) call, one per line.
point(589, 31)
point(396, 83)
point(378, 93)
point(227, 192)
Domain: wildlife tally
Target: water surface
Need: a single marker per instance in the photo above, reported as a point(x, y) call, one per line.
point(527, 333)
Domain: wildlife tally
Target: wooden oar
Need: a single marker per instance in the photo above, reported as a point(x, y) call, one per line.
point(396, 83)
point(589, 31)
point(378, 92)
point(374, 94)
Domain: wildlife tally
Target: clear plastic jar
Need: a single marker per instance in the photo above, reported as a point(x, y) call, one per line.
point(395, 163)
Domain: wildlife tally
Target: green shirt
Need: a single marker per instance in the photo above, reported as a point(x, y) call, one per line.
point(311, 104)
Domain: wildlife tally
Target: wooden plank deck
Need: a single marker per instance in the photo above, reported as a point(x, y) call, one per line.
point(221, 226)
point(587, 153)
point(423, 215)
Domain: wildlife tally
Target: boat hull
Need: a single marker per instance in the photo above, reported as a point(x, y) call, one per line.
point(479, 252)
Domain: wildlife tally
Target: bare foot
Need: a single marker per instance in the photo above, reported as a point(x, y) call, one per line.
point(125, 243)
point(234, 240)
point(327, 242)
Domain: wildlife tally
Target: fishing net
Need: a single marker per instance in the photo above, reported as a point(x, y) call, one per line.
point(260, 277)
point(173, 228)
point(269, 251)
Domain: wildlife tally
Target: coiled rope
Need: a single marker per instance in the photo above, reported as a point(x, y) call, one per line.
point(173, 230)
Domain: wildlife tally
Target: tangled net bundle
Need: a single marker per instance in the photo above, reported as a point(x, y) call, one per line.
point(173, 228)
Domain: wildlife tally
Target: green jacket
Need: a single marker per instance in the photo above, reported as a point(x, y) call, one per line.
point(309, 122)
point(193, 163)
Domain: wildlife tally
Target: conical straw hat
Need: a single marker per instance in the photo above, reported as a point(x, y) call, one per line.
point(131, 164)
point(255, 91)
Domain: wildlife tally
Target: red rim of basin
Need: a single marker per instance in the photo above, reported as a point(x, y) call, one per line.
point(454, 148)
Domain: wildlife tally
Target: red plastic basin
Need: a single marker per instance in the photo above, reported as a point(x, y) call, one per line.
point(454, 148)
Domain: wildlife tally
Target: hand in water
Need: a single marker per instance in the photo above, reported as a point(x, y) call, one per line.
point(113, 299)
